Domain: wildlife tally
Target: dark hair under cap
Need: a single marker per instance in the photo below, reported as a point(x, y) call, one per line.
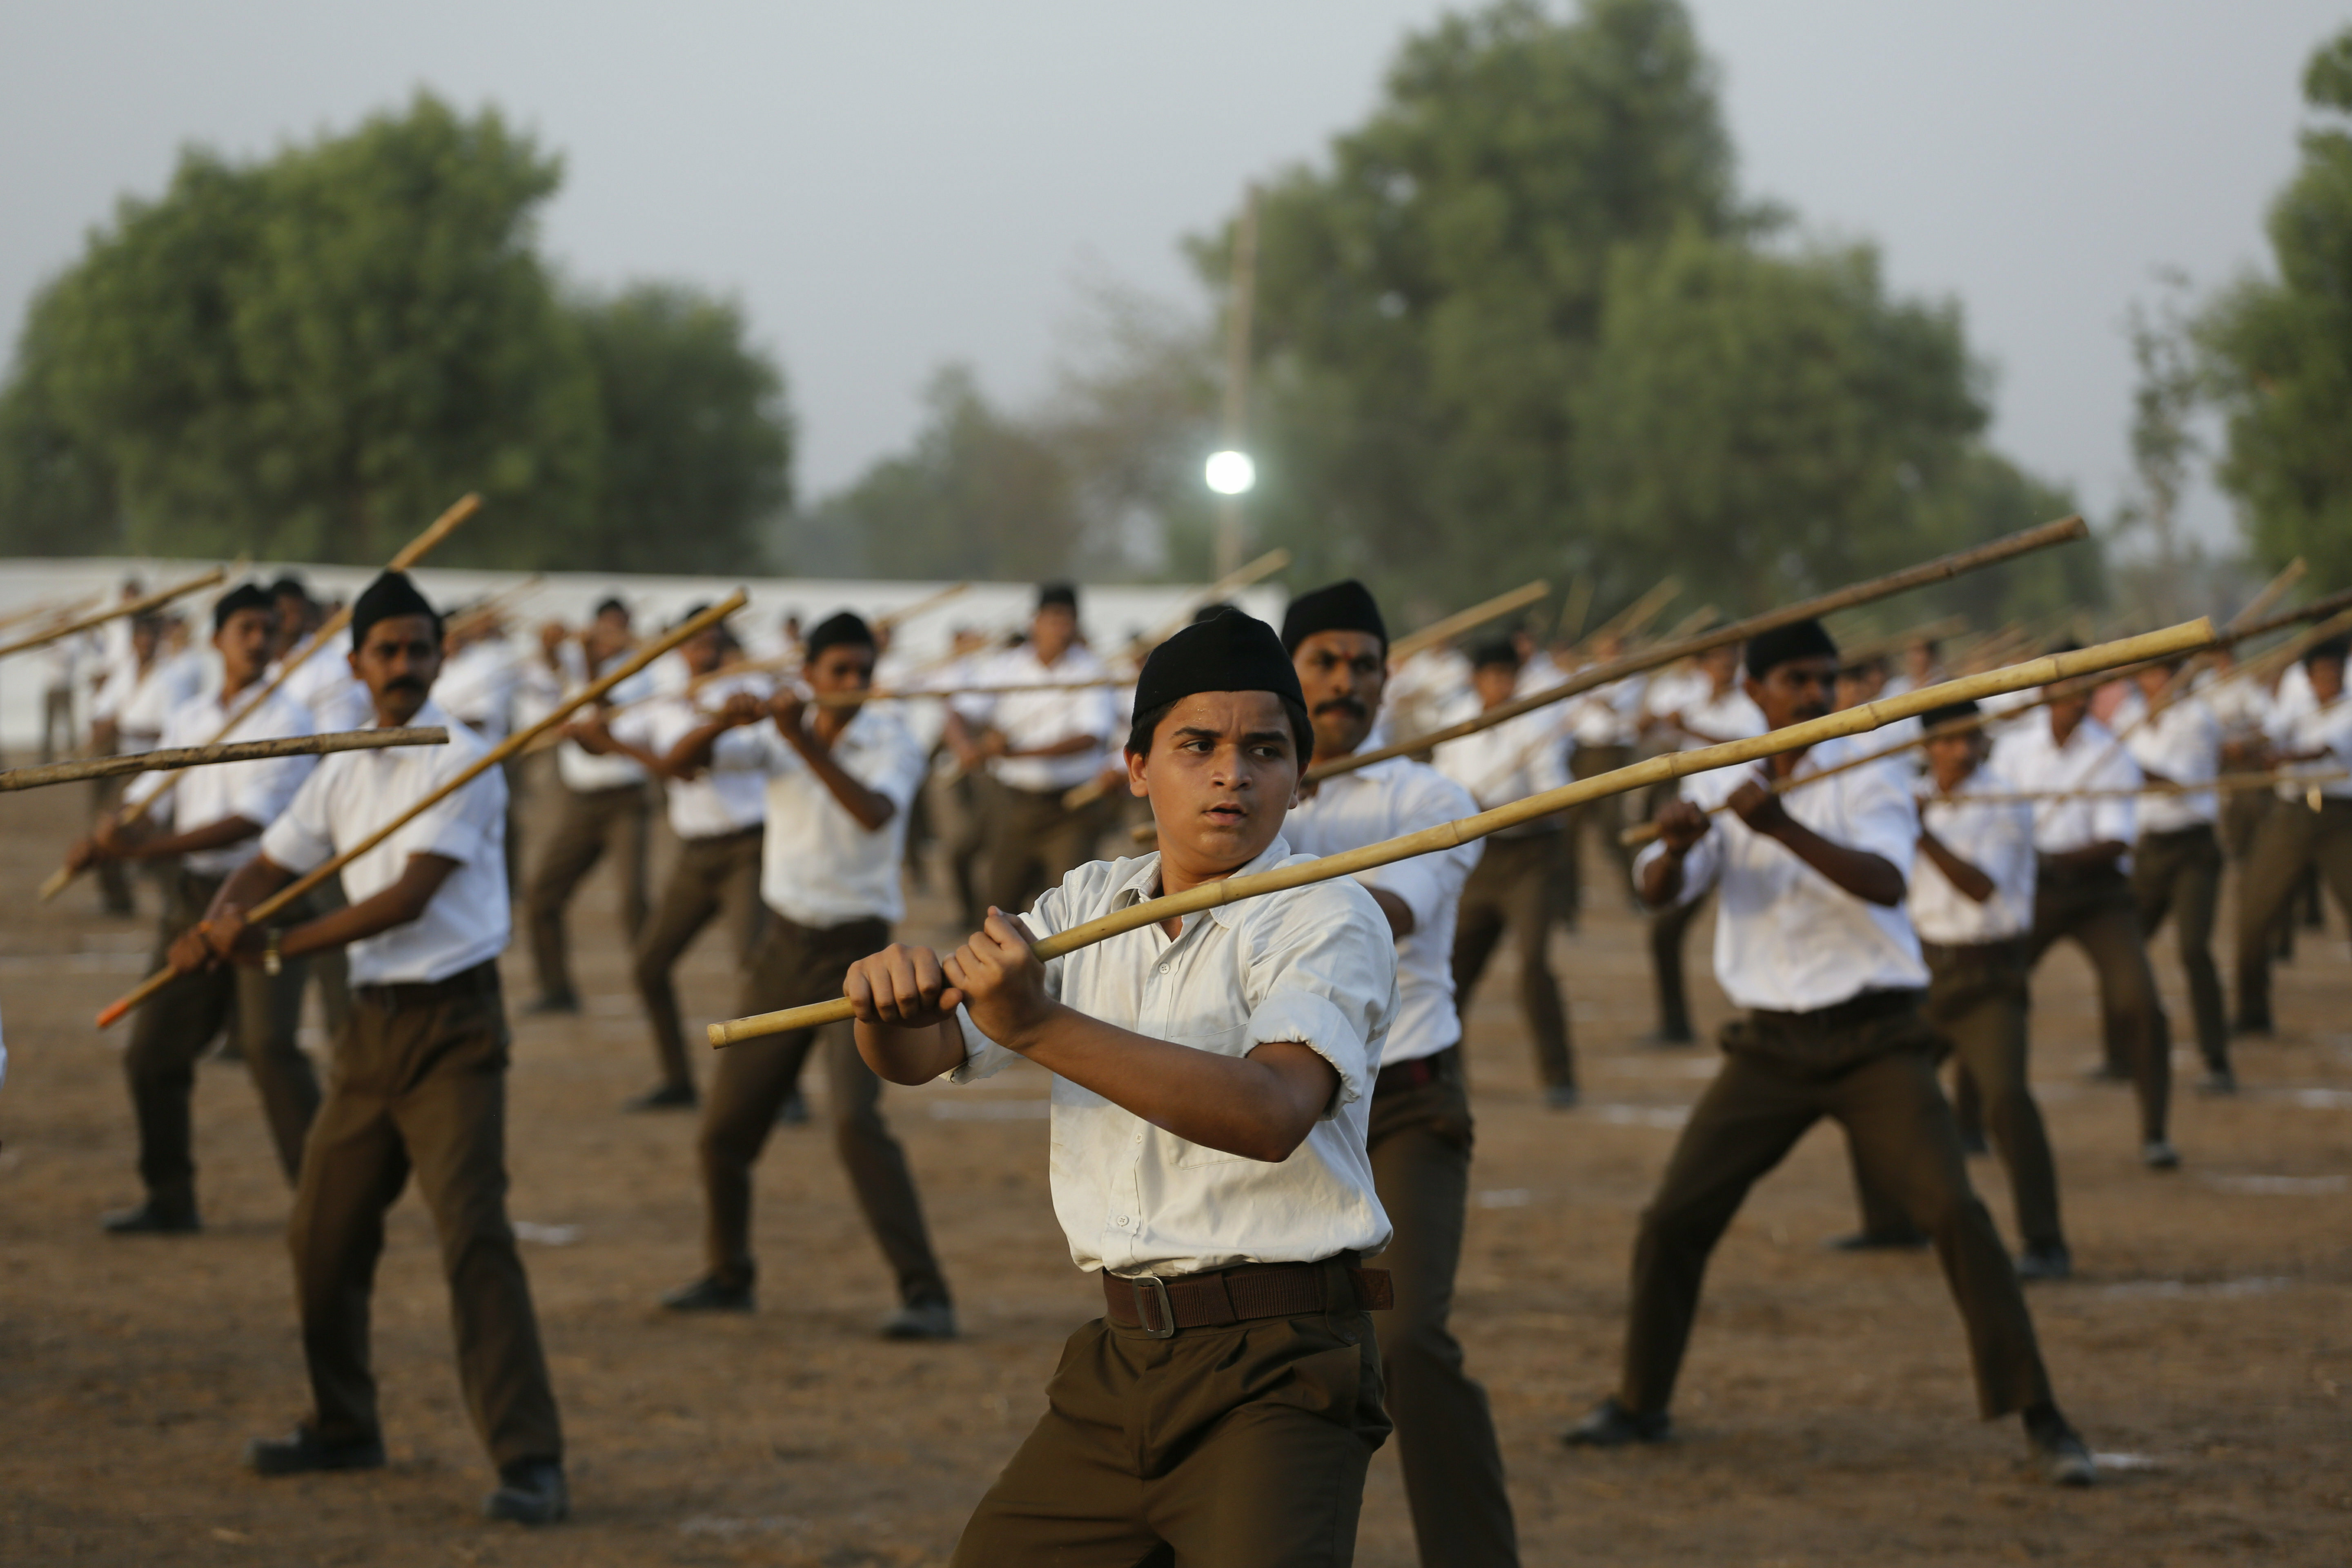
point(1343, 607)
point(1494, 651)
point(1798, 639)
point(1062, 593)
point(609, 606)
point(1934, 718)
point(836, 629)
point(244, 596)
point(290, 587)
point(389, 597)
point(2333, 647)
point(1232, 652)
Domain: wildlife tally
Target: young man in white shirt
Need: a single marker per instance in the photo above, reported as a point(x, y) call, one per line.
point(1972, 902)
point(2309, 826)
point(1604, 725)
point(1707, 709)
point(143, 686)
point(1420, 1132)
point(1037, 746)
point(2082, 890)
point(1212, 1081)
point(604, 807)
point(838, 782)
point(2176, 862)
point(1813, 943)
point(210, 820)
point(1518, 881)
point(420, 1078)
point(716, 816)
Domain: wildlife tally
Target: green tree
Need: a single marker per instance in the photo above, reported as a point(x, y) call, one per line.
point(696, 440)
point(2281, 350)
point(309, 356)
point(981, 494)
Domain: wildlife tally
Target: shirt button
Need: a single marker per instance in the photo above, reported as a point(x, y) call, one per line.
point(1139, 1137)
point(1163, 969)
point(1122, 1222)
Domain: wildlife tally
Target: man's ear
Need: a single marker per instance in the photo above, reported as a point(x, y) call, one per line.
point(1754, 688)
point(1137, 767)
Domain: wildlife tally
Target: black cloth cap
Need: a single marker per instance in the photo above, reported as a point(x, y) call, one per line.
point(611, 606)
point(1798, 639)
point(1500, 650)
point(1232, 652)
point(1343, 607)
point(390, 596)
point(1062, 593)
point(290, 587)
point(1210, 611)
point(835, 629)
point(2333, 647)
point(244, 596)
point(1934, 718)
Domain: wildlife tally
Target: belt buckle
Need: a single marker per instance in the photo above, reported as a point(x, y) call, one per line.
point(1159, 1289)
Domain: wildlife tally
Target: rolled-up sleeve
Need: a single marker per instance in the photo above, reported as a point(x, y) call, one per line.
point(301, 836)
point(1701, 866)
point(983, 1058)
point(1327, 974)
point(459, 828)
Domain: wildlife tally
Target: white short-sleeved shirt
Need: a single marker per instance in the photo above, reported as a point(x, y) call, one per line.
point(1996, 837)
point(582, 769)
point(1609, 715)
point(1516, 759)
point(256, 791)
point(1350, 810)
point(819, 866)
point(1719, 716)
point(717, 801)
point(1787, 939)
point(146, 699)
point(2183, 745)
point(2090, 760)
point(1314, 964)
point(323, 684)
point(479, 686)
point(1028, 720)
point(2315, 728)
point(351, 795)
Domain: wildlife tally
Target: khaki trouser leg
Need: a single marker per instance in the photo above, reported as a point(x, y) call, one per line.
point(1668, 930)
point(877, 1169)
point(2292, 836)
point(2179, 875)
point(1242, 1447)
point(2097, 911)
point(1034, 843)
point(586, 825)
point(330, 967)
point(1445, 1433)
point(708, 878)
point(1511, 890)
point(1984, 1015)
point(1604, 818)
point(114, 876)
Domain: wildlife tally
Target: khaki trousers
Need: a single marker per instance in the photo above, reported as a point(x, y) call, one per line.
point(420, 1081)
point(1420, 1143)
point(587, 824)
point(713, 878)
point(2179, 875)
point(798, 964)
point(1978, 1002)
point(262, 1014)
point(966, 811)
point(1512, 890)
point(1605, 818)
point(1032, 842)
point(1869, 1064)
point(2096, 909)
point(1239, 1447)
point(114, 876)
point(1669, 931)
point(2292, 838)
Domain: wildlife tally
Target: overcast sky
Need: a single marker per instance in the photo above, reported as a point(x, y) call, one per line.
point(889, 187)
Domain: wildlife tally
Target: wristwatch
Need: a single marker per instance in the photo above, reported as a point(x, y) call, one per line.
point(272, 961)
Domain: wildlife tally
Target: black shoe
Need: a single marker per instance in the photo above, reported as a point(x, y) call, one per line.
point(531, 1492)
point(152, 1218)
point(1972, 1141)
point(2158, 1155)
point(2059, 1450)
point(1611, 1426)
point(2108, 1072)
point(793, 1111)
point(1562, 1095)
point(669, 1097)
point(1910, 1240)
point(2050, 1262)
point(920, 1320)
point(562, 1002)
point(2259, 1029)
point(710, 1294)
point(2217, 1081)
point(299, 1452)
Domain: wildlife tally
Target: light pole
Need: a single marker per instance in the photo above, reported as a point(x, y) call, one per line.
point(1230, 472)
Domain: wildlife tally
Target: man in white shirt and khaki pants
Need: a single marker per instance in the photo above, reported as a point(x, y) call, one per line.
point(1813, 943)
point(1420, 1135)
point(211, 820)
point(839, 781)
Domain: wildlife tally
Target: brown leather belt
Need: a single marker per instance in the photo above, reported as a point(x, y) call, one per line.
point(1160, 1306)
point(482, 980)
point(1403, 1077)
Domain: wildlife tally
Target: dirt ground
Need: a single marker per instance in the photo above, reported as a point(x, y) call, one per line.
point(2205, 1343)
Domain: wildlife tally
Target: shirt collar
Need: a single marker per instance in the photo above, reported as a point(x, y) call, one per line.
point(1138, 888)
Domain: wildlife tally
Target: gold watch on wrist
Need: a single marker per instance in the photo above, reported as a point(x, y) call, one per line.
point(273, 961)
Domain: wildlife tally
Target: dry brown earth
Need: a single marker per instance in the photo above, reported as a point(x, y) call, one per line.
point(1826, 1411)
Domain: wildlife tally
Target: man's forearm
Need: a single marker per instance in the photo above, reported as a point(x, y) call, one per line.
point(1067, 746)
point(1234, 1104)
point(221, 835)
point(1661, 881)
point(1869, 878)
point(910, 1056)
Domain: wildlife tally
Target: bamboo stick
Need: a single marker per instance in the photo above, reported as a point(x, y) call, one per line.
point(1454, 626)
point(1864, 648)
point(1233, 582)
point(2329, 606)
point(2224, 784)
point(513, 743)
point(2272, 592)
point(1936, 571)
point(52, 610)
point(1629, 623)
point(416, 550)
point(1657, 770)
point(498, 604)
point(233, 752)
point(1574, 610)
point(886, 623)
point(138, 606)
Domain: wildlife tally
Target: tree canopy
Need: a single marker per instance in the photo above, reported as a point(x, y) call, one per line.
point(2281, 351)
point(309, 355)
